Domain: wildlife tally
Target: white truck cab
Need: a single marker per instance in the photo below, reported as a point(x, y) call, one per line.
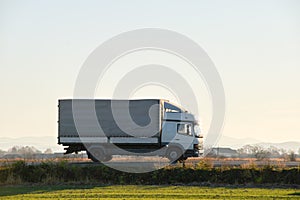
point(181, 128)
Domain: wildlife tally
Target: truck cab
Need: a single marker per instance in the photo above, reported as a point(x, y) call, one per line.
point(181, 130)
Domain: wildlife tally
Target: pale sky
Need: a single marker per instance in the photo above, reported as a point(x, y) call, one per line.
point(255, 46)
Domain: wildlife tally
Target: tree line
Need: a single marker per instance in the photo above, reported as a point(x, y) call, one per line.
point(25, 150)
point(260, 152)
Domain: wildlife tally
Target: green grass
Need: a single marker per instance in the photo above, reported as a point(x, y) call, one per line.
point(143, 192)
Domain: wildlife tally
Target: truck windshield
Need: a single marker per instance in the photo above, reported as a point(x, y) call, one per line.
point(172, 108)
point(197, 130)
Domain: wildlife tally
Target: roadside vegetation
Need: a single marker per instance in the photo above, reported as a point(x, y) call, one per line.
point(202, 173)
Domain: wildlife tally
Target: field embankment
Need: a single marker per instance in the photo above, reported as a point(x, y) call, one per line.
point(64, 173)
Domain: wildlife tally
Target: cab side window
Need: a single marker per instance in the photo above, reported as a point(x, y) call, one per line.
point(184, 129)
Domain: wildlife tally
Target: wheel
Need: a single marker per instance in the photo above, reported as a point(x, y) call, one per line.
point(107, 158)
point(174, 153)
point(96, 154)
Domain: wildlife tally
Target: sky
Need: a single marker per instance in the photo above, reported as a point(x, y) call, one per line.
point(254, 45)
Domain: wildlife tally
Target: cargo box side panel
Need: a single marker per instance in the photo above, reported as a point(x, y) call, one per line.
point(139, 113)
point(87, 124)
point(138, 110)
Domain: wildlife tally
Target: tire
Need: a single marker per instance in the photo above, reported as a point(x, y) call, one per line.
point(96, 154)
point(174, 154)
point(107, 158)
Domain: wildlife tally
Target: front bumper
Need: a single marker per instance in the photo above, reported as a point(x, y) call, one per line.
point(193, 153)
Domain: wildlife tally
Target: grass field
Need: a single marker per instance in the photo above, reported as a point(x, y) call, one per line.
point(143, 192)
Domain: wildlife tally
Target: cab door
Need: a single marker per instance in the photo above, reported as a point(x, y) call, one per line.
point(184, 135)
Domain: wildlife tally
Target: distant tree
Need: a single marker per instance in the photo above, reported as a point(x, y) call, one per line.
point(274, 151)
point(48, 151)
point(260, 153)
point(247, 149)
point(291, 156)
point(2, 152)
point(13, 150)
point(256, 151)
point(282, 151)
point(24, 150)
point(29, 152)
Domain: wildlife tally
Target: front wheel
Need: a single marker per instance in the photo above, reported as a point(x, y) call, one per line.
point(174, 154)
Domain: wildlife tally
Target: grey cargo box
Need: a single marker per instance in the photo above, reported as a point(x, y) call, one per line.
point(90, 114)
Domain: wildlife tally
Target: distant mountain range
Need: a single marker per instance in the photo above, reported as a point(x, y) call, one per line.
point(235, 143)
point(42, 143)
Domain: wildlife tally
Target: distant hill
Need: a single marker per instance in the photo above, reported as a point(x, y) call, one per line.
point(294, 146)
point(41, 143)
point(235, 143)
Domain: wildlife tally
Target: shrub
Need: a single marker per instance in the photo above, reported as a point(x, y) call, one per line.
point(62, 172)
point(204, 164)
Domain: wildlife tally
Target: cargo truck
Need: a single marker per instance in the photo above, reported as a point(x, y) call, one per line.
point(148, 127)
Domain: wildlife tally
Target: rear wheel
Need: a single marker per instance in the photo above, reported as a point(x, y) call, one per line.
point(96, 154)
point(107, 158)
